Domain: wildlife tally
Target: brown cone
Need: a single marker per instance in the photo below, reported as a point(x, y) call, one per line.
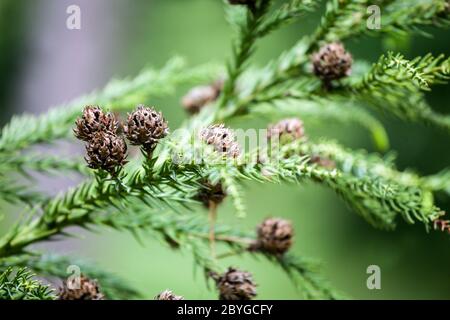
point(145, 127)
point(168, 295)
point(222, 139)
point(88, 290)
point(107, 152)
point(332, 62)
point(93, 121)
point(235, 285)
point(275, 236)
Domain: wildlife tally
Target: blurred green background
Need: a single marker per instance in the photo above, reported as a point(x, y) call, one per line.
point(414, 264)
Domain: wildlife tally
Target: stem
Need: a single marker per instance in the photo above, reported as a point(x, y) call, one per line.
point(212, 220)
point(249, 35)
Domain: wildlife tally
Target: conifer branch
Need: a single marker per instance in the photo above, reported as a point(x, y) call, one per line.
point(19, 284)
point(25, 130)
point(158, 194)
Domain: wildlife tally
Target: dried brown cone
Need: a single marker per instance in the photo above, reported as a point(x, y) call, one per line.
point(107, 152)
point(235, 285)
point(211, 193)
point(222, 139)
point(275, 236)
point(168, 295)
point(286, 130)
point(200, 96)
point(332, 62)
point(85, 289)
point(145, 127)
point(93, 121)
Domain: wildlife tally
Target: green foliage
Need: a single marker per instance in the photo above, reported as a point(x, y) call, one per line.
point(395, 85)
point(25, 130)
point(20, 285)
point(112, 286)
point(157, 196)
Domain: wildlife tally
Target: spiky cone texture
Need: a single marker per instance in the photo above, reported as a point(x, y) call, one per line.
point(86, 289)
point(274, 236)
point(211, 193)
point(94, 120)
point(332, 62)
point(200, 96)
point(222, 139)
point(235, 285)
point(145, 127)
point(107, 152)
point(286, 130)
point(168, 295)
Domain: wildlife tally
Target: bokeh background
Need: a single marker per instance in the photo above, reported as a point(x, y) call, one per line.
point(43, 64)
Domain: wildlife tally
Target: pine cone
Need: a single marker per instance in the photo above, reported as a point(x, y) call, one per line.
point(92, 121)
point(145, 127)
point(200, 96)
point(168, 295)
point(106, 151)
point(222, 139)
point(88, 290)
point(286, 130)
point(235, 285)
point(274, 236)
point(210, 192)
point(332, 62)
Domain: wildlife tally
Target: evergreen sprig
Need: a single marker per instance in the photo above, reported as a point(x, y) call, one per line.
point(19, 284)
point(159, 195)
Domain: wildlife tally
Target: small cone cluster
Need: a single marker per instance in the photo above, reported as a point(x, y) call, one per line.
point(105, 147)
